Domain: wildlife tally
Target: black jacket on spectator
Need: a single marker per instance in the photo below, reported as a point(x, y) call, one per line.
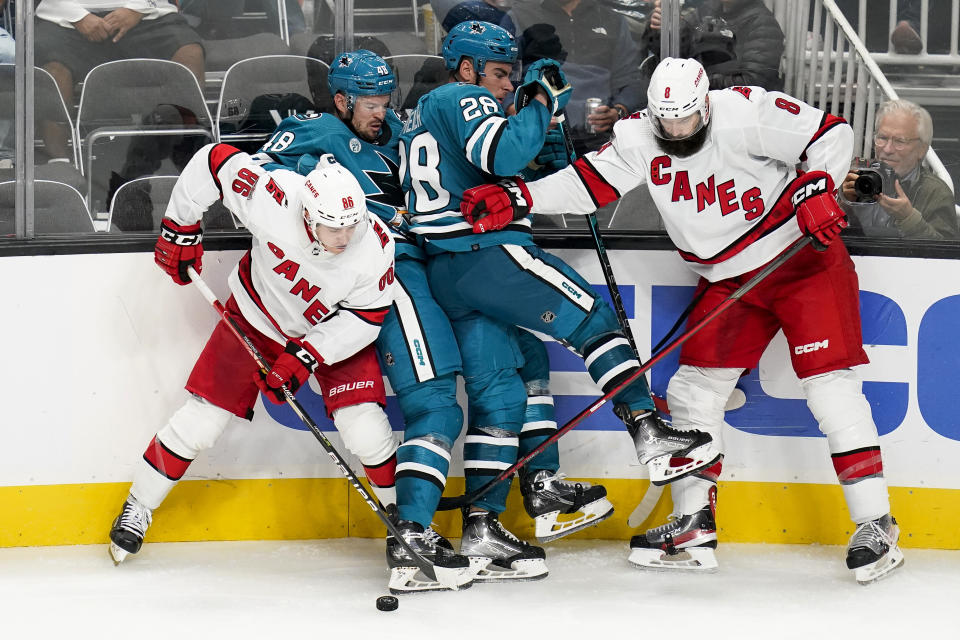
point(758, 46)
point(593, 37)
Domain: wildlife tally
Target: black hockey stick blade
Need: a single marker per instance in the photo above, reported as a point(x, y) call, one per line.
point(456, 502)
point(445, 576)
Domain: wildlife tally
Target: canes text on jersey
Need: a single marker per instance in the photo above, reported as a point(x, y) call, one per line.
point(289, 269)
point(707, 192)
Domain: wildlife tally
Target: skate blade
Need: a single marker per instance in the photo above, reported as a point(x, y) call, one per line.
point(412, 580)
point(661, 471)
point(548, 528)
point(521, 570)
point(117, 554)
point(870, 573)
point(700, 559)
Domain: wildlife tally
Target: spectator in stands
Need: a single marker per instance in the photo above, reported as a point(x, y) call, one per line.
point(450, 13)
point(905, 36)
point(215, 20)
point(739, 42)
point(923, 206)
point(73, 36)
point(602, 60)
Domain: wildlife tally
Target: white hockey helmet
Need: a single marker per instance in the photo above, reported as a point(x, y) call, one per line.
point(678, 89)
point(331, 196)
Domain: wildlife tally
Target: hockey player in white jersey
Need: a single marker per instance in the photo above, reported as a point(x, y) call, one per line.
point(721, 167)
point(311, 295)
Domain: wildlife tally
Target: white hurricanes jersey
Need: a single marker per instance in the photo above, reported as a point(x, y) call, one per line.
point(288, 286)
point(727, 207)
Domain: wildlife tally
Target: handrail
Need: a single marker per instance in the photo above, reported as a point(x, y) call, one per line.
point(862, 74)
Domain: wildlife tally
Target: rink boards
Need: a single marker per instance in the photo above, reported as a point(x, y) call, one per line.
point(98, 348)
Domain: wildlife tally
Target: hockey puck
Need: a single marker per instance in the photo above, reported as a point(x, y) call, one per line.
point(387, 603)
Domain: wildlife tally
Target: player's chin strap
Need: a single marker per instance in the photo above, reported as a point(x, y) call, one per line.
point(773, 265)
point(446, 577)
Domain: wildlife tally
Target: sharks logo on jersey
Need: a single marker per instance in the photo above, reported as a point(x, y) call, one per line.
point(387, 181)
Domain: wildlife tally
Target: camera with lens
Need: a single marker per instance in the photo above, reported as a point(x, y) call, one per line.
point(876, 178)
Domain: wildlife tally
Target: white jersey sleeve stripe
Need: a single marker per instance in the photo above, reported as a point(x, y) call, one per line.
point(490, 142)
point(550, 276)
point(478, 136)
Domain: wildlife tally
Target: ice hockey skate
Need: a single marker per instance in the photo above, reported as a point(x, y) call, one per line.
point(547, 495)
point(873, 551)
point(686, 542)
point(669, 454)
point(453, 570)
point(126, 535)
point(495, 554)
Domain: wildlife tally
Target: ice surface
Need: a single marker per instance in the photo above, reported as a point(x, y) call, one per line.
point(313, 589)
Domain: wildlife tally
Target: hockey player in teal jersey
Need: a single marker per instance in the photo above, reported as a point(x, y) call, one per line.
point(416, 343)
point(492, 279)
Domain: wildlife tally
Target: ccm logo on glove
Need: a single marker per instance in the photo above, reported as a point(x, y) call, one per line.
point(818, 214)
point(490, 207)
point(810, 189)
point(179, 247)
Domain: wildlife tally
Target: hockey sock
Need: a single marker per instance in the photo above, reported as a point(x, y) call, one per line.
point(382, 480)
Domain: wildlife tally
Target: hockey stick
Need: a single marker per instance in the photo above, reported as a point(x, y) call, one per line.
point(443, 575)
point(788, 253)
point(601, 250)
point(652, 495)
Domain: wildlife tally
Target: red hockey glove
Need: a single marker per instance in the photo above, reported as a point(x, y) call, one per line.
point(493, 206)
point(292, 369)
point(818, 213)
point(177, 248)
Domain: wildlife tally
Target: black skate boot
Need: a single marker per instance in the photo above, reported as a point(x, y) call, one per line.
point(547, 495)
point(431, 546)
point(873, 551)
point(495, 554)
point(129, 527)
point(669, 454)
point(686, 542)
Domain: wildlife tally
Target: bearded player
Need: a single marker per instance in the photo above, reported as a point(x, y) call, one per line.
point(721, 167)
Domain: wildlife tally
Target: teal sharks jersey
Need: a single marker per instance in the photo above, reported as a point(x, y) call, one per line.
point(457, 138)
point(301, 139)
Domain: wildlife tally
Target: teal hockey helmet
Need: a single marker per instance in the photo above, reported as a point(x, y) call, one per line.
point(480, 42)
point(360, 73)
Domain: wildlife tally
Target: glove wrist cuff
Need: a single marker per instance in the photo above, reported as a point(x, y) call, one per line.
point(188, 235)
point(303, 354)
point(812, 183)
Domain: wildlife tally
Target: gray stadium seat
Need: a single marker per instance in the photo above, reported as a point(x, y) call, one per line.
point(138, 117)
point(139, 205)
point(58, 208)
point(48, 103)
point(259, 92)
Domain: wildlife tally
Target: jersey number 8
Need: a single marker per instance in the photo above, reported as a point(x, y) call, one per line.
point(423, 162)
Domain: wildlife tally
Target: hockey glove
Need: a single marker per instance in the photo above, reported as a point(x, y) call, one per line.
point(493, 206)
point(818, 213)
point(292, 369)
point(544, 74)
point(553, 155)
point(179, 247)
